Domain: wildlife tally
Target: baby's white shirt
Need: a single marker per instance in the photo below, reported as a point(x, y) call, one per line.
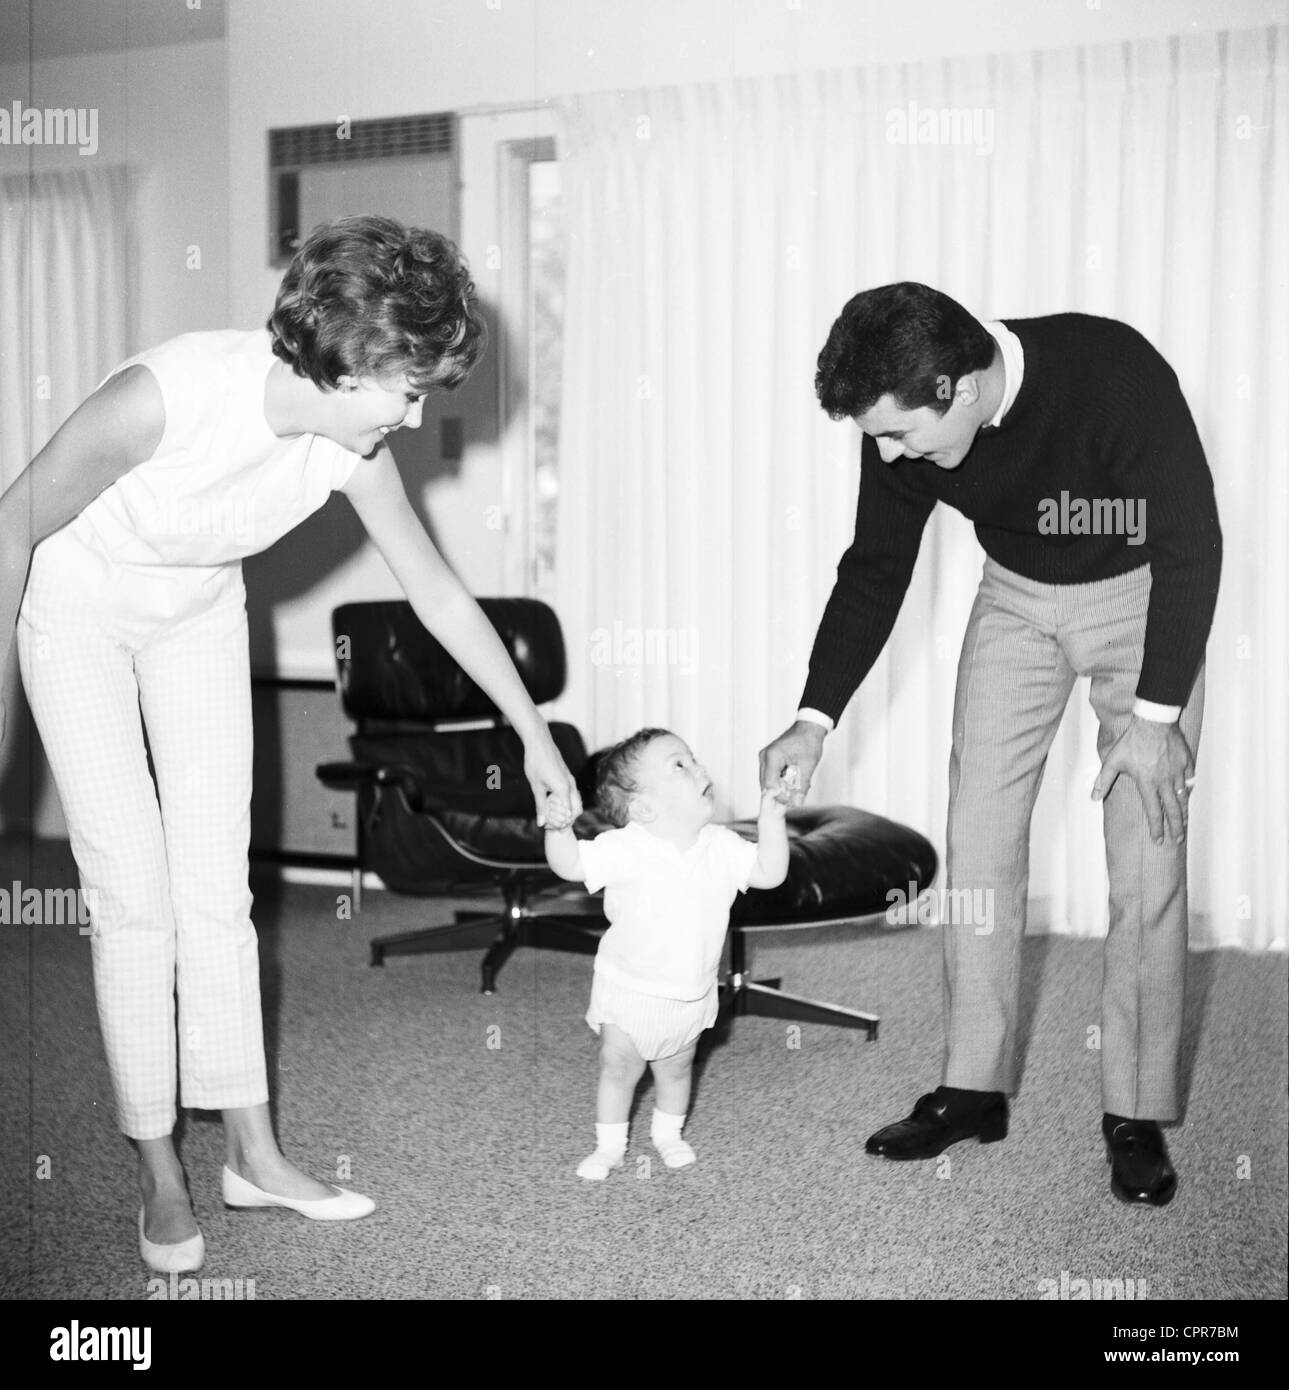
point(668, 909)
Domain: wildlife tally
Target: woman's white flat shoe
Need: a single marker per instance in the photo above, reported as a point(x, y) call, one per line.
point(186, 1256)
point(344, 1206)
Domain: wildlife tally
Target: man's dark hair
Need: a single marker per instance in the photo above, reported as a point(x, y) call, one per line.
point(366, 296)
point(615, 775)
point(907, 341)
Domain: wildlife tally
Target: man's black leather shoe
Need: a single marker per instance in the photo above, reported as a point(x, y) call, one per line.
point(1138, 1157)
point(940, 1119)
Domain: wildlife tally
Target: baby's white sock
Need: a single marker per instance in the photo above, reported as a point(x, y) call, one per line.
point(610, 1147)
point(665, 1133)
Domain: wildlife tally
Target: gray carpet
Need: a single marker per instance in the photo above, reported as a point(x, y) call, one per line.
point(464, 1116)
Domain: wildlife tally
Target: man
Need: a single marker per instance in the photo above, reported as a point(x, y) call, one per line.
point(1067, 441)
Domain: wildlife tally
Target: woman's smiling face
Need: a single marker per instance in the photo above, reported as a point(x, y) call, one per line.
point(373, 407)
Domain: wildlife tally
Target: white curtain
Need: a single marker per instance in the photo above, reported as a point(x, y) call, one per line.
point(64, 323)
point(63, 287)
point(716, 231)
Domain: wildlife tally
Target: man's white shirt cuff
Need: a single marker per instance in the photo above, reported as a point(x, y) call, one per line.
point(1161, 714)
point(814, 716)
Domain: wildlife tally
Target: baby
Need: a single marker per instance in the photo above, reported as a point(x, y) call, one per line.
point(669, 877)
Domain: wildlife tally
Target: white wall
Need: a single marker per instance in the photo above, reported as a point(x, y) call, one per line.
point(313, 61)
point(191, 120)
point(163, 112)
point(297, 62)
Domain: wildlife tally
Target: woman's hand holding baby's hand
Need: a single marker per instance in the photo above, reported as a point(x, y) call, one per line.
point(559, 814)
point(563, 852)
point(554, 788)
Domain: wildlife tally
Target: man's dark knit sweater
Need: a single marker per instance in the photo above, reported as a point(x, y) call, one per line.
point(1099, 415)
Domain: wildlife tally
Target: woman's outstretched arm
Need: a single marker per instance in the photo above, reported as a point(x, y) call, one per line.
point(447, 609)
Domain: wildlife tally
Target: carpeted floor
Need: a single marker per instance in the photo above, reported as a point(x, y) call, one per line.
point(465, 1117)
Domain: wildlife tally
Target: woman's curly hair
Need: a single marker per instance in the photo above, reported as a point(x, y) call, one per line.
point(368, 297)
point(615, 775)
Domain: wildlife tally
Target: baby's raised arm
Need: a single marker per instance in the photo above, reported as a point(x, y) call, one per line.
point(772, 836)
point(563, 854)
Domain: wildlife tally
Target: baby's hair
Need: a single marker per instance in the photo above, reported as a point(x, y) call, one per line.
point(615, 775)
point(367, 296)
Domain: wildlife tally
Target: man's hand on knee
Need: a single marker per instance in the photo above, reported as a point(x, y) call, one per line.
point(1156, 756)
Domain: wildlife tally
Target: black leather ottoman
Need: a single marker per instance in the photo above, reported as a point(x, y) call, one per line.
point(842, 866)
point(444, 804)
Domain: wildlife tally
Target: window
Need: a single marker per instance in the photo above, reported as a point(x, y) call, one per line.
point(546, 262)
point(531, 254)
point(514, 231)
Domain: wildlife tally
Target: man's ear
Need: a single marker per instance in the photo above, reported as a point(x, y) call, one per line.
point(966, 390)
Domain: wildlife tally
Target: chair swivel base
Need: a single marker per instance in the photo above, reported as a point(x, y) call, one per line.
point(741, 995)
point(501, 932)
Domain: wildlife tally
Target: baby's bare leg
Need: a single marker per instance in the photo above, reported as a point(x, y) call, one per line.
point(621, 1067)
point(672, 1077)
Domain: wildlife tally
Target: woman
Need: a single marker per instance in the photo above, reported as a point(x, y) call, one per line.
point(139, 510)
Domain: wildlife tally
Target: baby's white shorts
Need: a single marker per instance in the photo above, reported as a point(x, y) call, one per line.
point(657, 1027)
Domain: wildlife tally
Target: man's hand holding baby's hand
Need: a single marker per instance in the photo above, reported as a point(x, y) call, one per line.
point(784, 793)
point(796, 753)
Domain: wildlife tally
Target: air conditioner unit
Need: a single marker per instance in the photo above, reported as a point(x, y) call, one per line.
point(403, 167)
